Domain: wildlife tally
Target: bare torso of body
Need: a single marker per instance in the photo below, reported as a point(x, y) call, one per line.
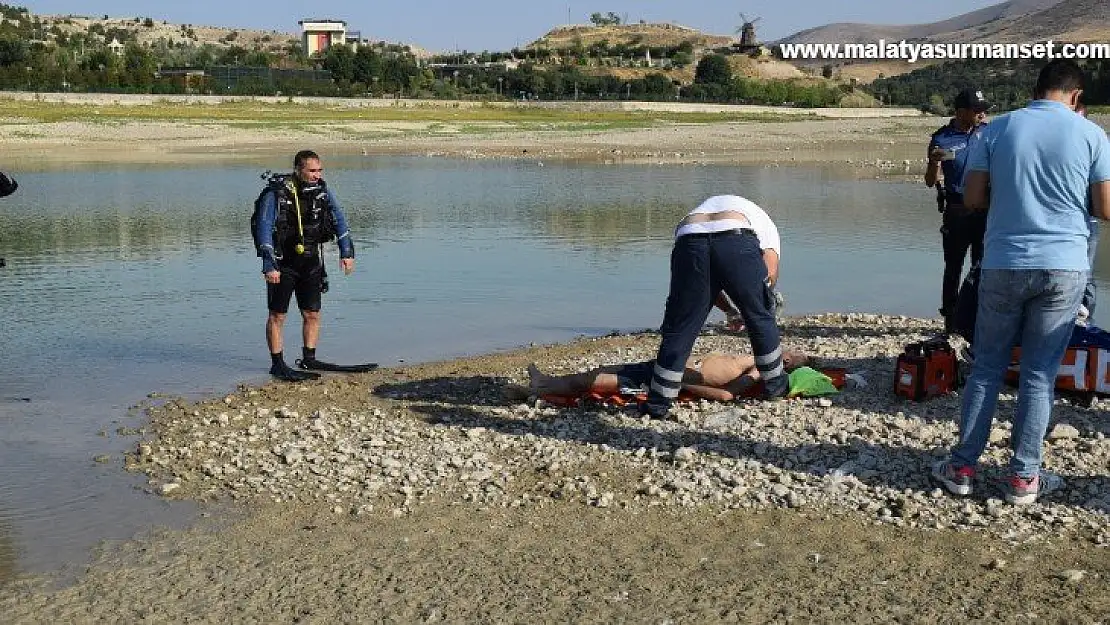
point(718, 369)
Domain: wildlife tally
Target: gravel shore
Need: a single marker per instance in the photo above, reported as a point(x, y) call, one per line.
point(411, 493)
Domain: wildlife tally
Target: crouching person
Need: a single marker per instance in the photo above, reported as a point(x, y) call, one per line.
point(727, 244)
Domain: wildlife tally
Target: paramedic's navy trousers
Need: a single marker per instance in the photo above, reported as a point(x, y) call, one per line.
point(702, 265)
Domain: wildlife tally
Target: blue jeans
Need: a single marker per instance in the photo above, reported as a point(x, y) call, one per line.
point(1036, 307)
point(1089, 292)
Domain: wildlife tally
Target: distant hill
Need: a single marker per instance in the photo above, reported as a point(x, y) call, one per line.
point(1008, 22)
point(148, 31)
point(1078, 21)
point(997, 15)
point(651, 35)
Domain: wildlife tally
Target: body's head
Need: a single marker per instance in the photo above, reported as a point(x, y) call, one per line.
point(792, 359)
point(1062, 81)
point(971, 108)
point(307, 167)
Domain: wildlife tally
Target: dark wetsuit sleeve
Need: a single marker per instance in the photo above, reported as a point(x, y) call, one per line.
point(342, 231)
point(265, 232)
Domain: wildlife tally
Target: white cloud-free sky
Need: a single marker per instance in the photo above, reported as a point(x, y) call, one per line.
point(446, 25)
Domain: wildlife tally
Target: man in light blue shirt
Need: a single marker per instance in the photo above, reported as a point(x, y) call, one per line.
point(1036, 167)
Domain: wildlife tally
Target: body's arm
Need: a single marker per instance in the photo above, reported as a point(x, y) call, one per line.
point(977, 191)
point(709, 392)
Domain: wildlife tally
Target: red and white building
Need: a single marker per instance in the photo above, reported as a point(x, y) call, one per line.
point(319, 34)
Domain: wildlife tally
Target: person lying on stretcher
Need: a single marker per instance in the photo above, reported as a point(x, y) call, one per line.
point(718, 377)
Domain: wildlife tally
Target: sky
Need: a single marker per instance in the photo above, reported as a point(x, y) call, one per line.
point(476, 25)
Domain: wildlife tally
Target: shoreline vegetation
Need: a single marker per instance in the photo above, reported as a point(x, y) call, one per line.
point(422, 492)
point(50, 130)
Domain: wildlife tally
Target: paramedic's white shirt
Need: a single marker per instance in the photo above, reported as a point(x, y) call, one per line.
point(758, 220)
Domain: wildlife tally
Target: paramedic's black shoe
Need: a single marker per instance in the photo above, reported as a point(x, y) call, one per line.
point(288, 374)
point(949, 321)
point(777, 388)
point(655, 408)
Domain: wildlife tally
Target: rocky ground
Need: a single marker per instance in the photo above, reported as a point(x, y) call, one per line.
point(423, 493)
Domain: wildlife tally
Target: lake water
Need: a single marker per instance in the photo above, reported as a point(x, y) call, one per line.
point(122, 281)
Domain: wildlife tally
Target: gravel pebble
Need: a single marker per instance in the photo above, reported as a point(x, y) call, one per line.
point(394, 444)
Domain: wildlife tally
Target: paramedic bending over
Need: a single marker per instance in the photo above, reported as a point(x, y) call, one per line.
point(726, 244)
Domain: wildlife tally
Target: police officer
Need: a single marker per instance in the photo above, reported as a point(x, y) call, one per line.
point(297, 217)
point(962, 229)
point(727, 244)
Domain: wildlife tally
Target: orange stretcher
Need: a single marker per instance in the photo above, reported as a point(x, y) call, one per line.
point(836, 374)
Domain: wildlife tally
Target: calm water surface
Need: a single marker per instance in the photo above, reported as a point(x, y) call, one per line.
point(126, 281)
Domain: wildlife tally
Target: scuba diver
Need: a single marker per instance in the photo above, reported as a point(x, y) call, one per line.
point(294, 216)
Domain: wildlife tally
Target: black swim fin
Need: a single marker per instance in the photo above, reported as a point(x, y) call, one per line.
point(312, 364)
point(289, 374)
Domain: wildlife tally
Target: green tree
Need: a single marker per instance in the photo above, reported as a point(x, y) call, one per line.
point(658, 86)
point(257, 58)
point(713, 70)
point(99, 60)
point(340, 61)
point(609, 19)
point(936, 105)
point(138, 67)
point(12, 52)
point(233, 55)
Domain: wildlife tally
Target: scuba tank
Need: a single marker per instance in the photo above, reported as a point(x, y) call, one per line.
point(305, 224)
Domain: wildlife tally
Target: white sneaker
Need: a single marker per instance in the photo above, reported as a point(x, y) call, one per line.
point(1084, 316)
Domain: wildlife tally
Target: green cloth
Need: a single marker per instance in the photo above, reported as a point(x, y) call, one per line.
point(807, 382)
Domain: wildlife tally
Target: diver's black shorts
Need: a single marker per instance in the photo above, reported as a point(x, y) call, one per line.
point(306, 281)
